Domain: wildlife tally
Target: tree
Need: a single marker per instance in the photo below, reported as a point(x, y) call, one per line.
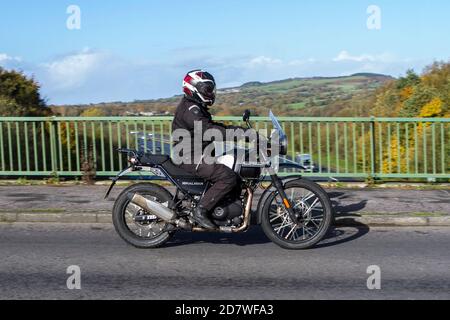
point(411, 79)
point(432, 109)
point(19, 95)
point(422, 95)
point(438, 76)
point(8, 107)
point(93, 112)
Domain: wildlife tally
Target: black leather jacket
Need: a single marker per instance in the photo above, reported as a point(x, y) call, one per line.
point(187, 113)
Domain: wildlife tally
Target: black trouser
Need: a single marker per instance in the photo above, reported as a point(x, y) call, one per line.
point(223, 179)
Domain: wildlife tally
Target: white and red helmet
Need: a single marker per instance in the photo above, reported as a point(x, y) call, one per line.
point(200, 86)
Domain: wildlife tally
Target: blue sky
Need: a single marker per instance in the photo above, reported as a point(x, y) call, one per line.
point(138, 49)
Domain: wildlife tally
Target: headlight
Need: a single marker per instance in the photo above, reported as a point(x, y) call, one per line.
point(283, 145)
point(280, 143)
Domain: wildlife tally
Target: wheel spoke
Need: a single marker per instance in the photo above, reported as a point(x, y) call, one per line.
point(316, 201)
point(290, 232)
point(307, 206)
point(313, 223)
point(286, 223)
point(275, 218)
point(277, 215)
point(310, 195)
point(143, 229)
point(307, 229)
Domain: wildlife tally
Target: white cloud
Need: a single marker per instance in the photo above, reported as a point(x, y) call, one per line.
point(299, 62)
point(266, 68)
point(345, 56)
point(91, 76)
point(6, 58)
point(72, 70)
point(264, 61)
point(9, 62)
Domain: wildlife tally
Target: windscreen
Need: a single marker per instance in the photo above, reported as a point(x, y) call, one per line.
point(277, 125)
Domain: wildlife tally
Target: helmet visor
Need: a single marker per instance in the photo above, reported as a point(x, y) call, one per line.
point(207, 89)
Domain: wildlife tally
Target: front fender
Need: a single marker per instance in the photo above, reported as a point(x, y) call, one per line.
point(268, 192)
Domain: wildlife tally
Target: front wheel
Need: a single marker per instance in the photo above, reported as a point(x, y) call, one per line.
point(313, 212)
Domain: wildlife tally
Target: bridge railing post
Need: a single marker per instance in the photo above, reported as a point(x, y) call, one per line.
point(53, 151)
point(373, 148)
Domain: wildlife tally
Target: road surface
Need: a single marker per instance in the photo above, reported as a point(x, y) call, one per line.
point(414, 264)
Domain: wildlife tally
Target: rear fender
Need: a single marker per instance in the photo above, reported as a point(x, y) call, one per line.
point(155, 171)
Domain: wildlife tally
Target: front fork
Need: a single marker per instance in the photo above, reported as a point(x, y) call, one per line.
point(278, 184)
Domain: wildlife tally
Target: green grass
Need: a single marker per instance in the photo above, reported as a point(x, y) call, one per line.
point(347, 88)
point(347, 82)
point(321, 89)
point(298, 105)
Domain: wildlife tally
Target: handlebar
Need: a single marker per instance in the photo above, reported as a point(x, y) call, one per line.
point(131, 152)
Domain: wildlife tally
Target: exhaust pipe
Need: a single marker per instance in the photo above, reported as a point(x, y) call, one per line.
point(153, 207)
point(159, 210)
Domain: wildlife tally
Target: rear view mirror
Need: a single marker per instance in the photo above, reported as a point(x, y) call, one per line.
point(246, 115)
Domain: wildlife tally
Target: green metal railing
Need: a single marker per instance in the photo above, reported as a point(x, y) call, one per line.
point(339, 147)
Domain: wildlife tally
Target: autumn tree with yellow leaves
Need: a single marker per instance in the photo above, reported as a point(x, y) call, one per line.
point(424, 96)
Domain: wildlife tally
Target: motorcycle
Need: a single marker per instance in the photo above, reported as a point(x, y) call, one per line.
point(293, 212)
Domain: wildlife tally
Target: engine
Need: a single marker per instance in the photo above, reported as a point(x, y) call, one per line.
point(228, 212)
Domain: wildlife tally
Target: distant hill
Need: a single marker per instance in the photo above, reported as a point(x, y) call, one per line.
point(368, 74)
point(295, 96)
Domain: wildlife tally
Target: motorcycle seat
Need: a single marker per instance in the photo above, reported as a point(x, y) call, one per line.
point(166, 163)
point(154, 159)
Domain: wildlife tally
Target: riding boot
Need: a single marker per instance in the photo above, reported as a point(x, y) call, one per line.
point(200, 216)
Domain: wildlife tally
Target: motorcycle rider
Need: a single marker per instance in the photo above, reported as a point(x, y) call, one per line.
point(199, 89)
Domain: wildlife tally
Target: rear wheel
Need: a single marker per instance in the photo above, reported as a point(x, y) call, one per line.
point(313, 213)
point(142, 234)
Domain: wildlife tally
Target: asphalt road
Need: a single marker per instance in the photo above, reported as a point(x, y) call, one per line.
point(414, 264)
